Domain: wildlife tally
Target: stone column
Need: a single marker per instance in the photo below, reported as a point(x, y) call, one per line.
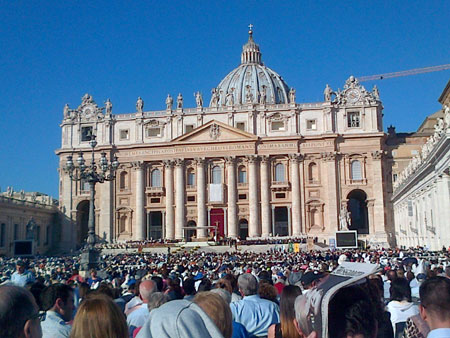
point(179, 199)
point(106, 211)
point(295, 196)
point(273, 221)
point(201, 198)
point(139, 230)
point(378, 194)
point(170, 216)
point(253, 226)
point(232, 228)
point(289, 211)
point(265, 197)
point(329, 171)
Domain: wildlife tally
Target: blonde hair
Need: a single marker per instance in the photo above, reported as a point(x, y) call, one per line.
point(217, 309)
point(99, 317)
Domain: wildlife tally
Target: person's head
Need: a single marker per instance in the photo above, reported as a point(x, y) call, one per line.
point(400, 290)
point(287, 311)
point(217, 309)
point(156, 299)
point(435, 302)
point(352, 314)
point(391, 275)
point(267, 291)
point(248, 285)
point(205, 285)
point(59, 298)
point(20, 267)
point(224, 284)
point(146, 288)
point(226, 296)
point(159, 282)
point(93, 273)
point(19, 315)
point(99, 317)
point(189, 286)
point(83, 290)
point(232, 279)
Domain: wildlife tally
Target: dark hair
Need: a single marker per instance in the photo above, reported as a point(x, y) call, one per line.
point(52, 293)
point(159, 282)
point(351, 312)
point(287, 310)
point(233, 280)
point(205, 285)
point(83, 289)
point(400, 290)
point(189, 286)
point(16, 307)
point(435, 296)
point(267, 291)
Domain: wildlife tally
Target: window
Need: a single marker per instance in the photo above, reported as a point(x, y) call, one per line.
point(313, 172)
point(191, 198)
point(156, 178)
point(47, 235)
point(280, 195)
point(311, 125)
point(155, 200)
point(240, 125)
point(242, 175)
point(277, 125)
point(188, 128)
point(353, 120)
point(16, 231)
point(394, 177)
point(279, 172)
point(122, 223)
point(356, 170)
point(191, 177)
point(86, 134)
point(216, 175)
point(154, 132)
point(123, 181)
point(124, 134)
point(242, 196)
point(84, 185)
point(414, 152)
point(2, 234)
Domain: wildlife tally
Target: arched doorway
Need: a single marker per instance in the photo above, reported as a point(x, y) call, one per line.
point(82, 221)
point(281, 221)
point(190, 233)
point(243, 228)
point(357, 206)
point(217, 216)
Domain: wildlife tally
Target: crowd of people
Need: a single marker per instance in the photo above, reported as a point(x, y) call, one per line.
point(231, 294)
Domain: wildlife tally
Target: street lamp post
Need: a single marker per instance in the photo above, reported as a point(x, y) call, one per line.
point(93, 174)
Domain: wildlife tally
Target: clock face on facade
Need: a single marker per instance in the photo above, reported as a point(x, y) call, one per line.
point(353, 95)
point(87, 113)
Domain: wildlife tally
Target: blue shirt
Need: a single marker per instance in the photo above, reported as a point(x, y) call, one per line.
point(256, 314)
point(21, 279)
point(439, 333)
point(54, 326)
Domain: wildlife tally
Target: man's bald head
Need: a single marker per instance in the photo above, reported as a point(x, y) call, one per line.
point(146, 288)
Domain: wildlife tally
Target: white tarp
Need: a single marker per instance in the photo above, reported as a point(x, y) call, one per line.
point(215, 192)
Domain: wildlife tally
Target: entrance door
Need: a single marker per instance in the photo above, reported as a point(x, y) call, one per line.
point(154, 225)
point(357, 206)
point(217, 217)
point(243, 229)
point(82, 222)
point(190, 233)
point(281, 221)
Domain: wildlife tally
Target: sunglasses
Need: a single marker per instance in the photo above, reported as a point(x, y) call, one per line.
point(41, 315)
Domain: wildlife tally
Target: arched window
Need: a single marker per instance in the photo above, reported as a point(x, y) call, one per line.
point(313, 173)
point(279, 172)
point(356, 173)
point(216, 175)
point(191, 177)
point(242, 174)
point(123, 182)
point(155, 178)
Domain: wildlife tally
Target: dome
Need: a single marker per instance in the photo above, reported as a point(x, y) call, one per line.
point(251, 82)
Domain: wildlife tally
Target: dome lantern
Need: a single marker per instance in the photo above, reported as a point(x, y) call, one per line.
point(250, 51)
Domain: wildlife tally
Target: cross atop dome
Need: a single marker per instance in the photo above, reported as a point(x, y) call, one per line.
point(250, 51)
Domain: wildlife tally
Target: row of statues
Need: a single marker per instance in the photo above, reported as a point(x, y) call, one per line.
point(441, 127)
point(328, 93)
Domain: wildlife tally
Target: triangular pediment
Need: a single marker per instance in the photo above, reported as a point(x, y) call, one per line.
point(215, 131)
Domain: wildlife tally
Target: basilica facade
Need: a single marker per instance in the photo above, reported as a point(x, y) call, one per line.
point(253, 163)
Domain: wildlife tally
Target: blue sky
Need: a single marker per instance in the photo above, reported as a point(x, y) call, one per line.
point(53, 52)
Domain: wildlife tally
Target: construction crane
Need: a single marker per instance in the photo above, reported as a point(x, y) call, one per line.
point(404, 73)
